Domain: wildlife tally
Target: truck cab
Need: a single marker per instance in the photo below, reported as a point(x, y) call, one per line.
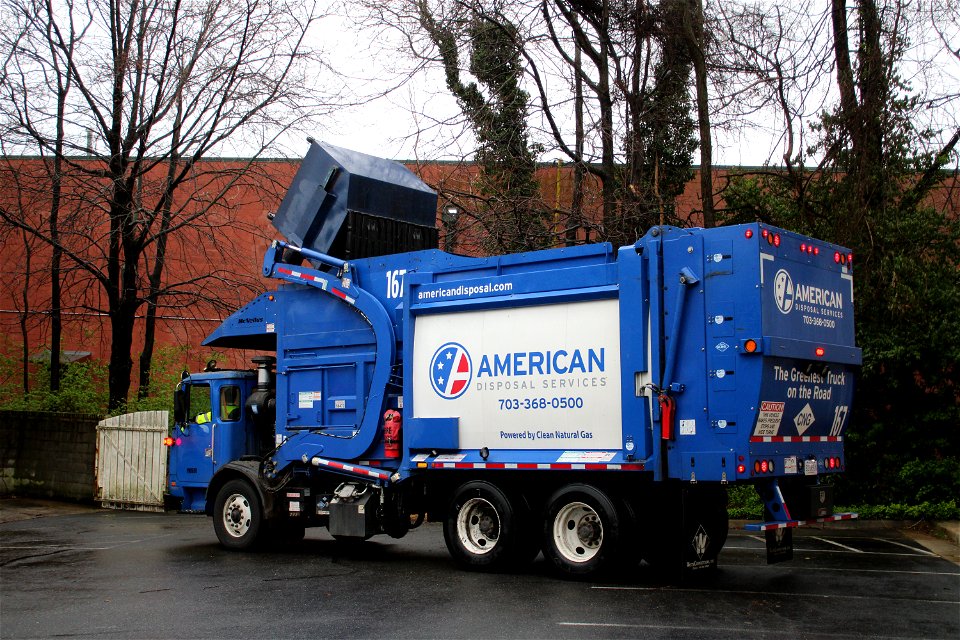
point(211, 428)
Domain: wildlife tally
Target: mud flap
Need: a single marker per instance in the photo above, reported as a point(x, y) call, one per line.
point(702, 540)
point(779, 545)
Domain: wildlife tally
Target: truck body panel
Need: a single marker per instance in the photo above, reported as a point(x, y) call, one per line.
point(585, 383)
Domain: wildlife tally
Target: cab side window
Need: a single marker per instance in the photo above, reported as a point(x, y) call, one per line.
point(230, 408)
point(200, 405)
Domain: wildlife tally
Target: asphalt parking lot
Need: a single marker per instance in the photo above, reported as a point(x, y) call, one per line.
point(69, 571)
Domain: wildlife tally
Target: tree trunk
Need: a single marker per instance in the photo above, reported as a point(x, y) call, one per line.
point(693, 26)
point(25, 312)
point(121, 365)
point(607, 159)
point(576, 204)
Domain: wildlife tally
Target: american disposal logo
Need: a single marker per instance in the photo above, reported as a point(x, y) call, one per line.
point(451, 371)
point(783, 291)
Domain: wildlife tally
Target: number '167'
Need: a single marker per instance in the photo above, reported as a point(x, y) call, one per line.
point(395, 283)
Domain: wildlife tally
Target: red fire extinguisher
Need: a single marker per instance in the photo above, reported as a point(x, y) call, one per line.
point(392, 423)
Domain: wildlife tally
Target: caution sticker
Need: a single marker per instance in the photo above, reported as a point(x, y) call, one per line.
point(768, 422)
point(307, 398)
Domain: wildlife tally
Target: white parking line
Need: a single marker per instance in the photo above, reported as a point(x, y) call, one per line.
point(847, 570)
point(867, 553)
point(842, 546)
point(52, 546)
point(699, 629)
point(826, 596)
point(906, 546)
point(671, 627)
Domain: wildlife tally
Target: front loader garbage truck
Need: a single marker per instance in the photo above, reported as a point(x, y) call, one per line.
point(590, 403)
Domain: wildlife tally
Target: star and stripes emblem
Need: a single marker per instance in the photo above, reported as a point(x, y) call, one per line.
point(450, 371)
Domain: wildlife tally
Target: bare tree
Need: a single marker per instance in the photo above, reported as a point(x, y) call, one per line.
point(127, 96)
point(610, 94)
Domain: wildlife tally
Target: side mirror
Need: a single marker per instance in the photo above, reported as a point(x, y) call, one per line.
point(181, 402)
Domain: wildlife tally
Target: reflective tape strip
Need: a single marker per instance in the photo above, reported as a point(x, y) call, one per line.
point(343, 296)
point(796, 439)
point(303, 276)
point(790, 524)
point(538, 466)
point(349, 468)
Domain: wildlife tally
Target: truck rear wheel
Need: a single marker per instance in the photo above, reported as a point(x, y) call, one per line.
point(237, 516)
point(582, 530)
point(481, 528)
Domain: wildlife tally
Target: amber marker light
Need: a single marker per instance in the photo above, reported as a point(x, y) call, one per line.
point(750, 346)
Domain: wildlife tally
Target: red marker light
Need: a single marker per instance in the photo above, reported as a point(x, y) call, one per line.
point(803, 248)
point(776, 240)
point(836, 257)
point(850, 258)
point(748, 233)
point(765, 233)
point(816, 251)
point(741, 468)
point(820, 351)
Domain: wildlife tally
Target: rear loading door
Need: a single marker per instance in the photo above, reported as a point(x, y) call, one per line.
point(809, 352)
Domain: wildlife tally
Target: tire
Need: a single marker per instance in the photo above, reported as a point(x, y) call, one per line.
point(482, 530)
point(582, 531)
point(238, 516)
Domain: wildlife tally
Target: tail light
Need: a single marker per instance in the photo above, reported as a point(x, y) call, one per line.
point(763, 466)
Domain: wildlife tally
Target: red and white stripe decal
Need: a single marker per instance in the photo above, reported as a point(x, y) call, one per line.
point(302, 276)
point(349, 468)
point(552, 466)
point(797, 523)
point(323, 283)
point(796, 439)
point(342, 295)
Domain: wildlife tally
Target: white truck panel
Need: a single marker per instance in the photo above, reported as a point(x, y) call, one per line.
point(543, 377)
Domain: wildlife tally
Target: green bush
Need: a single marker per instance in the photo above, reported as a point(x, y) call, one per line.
point(947, 510)
point(83, 389)
point(923, 481)
point(83, 385)
point(745, 504)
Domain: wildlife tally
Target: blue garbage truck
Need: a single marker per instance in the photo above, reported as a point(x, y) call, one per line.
point(593, 403)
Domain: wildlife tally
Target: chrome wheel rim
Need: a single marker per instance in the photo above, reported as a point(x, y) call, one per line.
point(577, 532)
point(478, 526)
point(237, 515)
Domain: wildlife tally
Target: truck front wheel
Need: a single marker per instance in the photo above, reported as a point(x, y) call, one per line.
point(582, 530)
point(481, 528)
point(237, 516)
